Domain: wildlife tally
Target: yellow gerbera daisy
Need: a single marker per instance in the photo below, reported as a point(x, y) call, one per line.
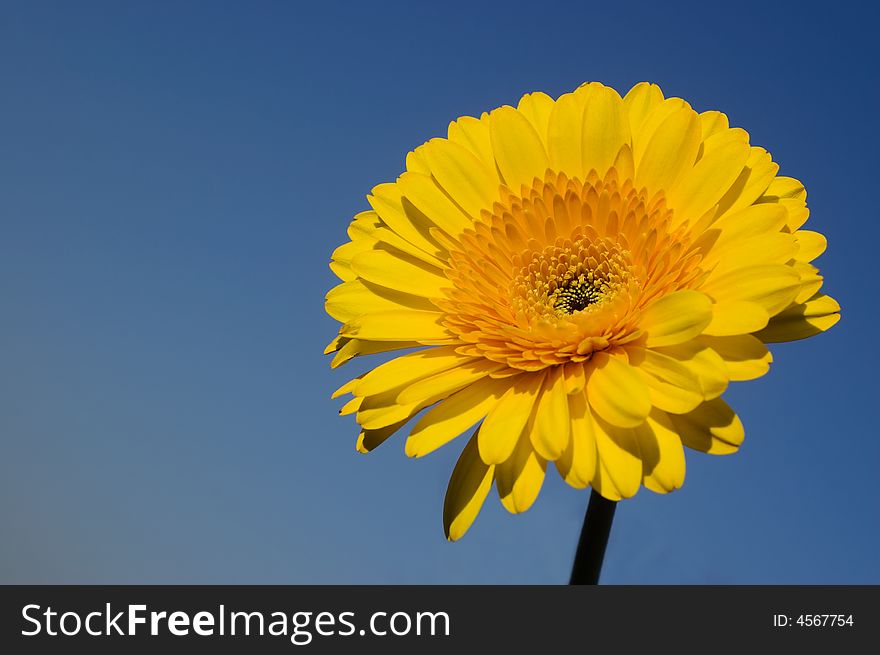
point(582, 277)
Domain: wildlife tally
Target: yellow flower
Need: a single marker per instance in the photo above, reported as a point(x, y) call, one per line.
point(582, 277)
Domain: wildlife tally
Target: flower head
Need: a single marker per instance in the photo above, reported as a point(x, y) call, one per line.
point(582, 278)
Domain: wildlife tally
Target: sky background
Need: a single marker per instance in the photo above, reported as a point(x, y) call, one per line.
point(173, 179)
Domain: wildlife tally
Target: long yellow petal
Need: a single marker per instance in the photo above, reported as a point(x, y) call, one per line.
point(449, 418)
point(422, 191)
point(616, 391)
point(552, 426)
point(387, 200)
point(745, 356)
point(703, 185)
point(462, 175)
point(518, 148)
point(620, 460)
point(671, 150)
point(751, 183)
point(802, 320)
point(660, 445)
point(564, 138)
point(577, 465)
point(397, 325)
point(605, 127)
point(410, 368)
point(347, 349)
point(473, 134)
point(676, 317)
point(399, 271)
point(774, 248)
point(772, 286)
point(352, 299)
point(810, 245)
point(704, 363)
point(507, 420)
point(369, 440)
point(519, 479)
point(712, 428)
point(713, 122)
point(736, 317)
point(640, 101)
point(536, 107)
point(672, 385)
point(468, 487)
point(445, 382)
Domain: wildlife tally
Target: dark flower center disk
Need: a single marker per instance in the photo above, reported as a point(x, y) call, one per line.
point(575, 296)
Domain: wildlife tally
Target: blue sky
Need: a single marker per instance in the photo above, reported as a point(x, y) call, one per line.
point(173, 179)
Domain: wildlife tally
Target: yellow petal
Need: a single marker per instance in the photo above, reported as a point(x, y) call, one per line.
point(810, 281)
point(641, 135)
point(423, 192)
point(672, 385)
point(703, 185)
point(468, 487)
point(382, 410)
point(369, 440)
point(676, 317)
point(473, 134)
point(407, 369)
point(751, 183)
point(745, 356)
point(564, 135)
point(347, 349)
point(616, 391)
point(577, 465)
point(507, 420)
point(445, 382)
point(711, 428)
point(802, 320)
point(785, 188)
point(552, 425)
point(386, 237)
point(671, 150)
point(519, 151)
point(351, 299)
point(771, 286)
point(401, 272)
point(449, 418)
point(712, 122)
point(575, 378)
point(351, 406)
point(416, 163)
point(776, 248)
point(704, 363)
point(620, 458)
point(735, 227)
point(342, 256)
point(397, 325)
point(520, 477)
point(405, 220)
point(462, 175)
point(536, 107)
point(605, 127)
point(639, 102)
point(810, 245)
point(662, 454)
point(736, 317)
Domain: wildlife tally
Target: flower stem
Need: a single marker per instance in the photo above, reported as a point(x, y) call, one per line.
point(594, 537)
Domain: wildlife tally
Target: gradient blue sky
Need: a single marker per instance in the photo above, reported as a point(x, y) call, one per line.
point(173, 179)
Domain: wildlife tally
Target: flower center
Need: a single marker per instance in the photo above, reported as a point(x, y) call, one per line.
point(574, 275)
point(554, 272)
